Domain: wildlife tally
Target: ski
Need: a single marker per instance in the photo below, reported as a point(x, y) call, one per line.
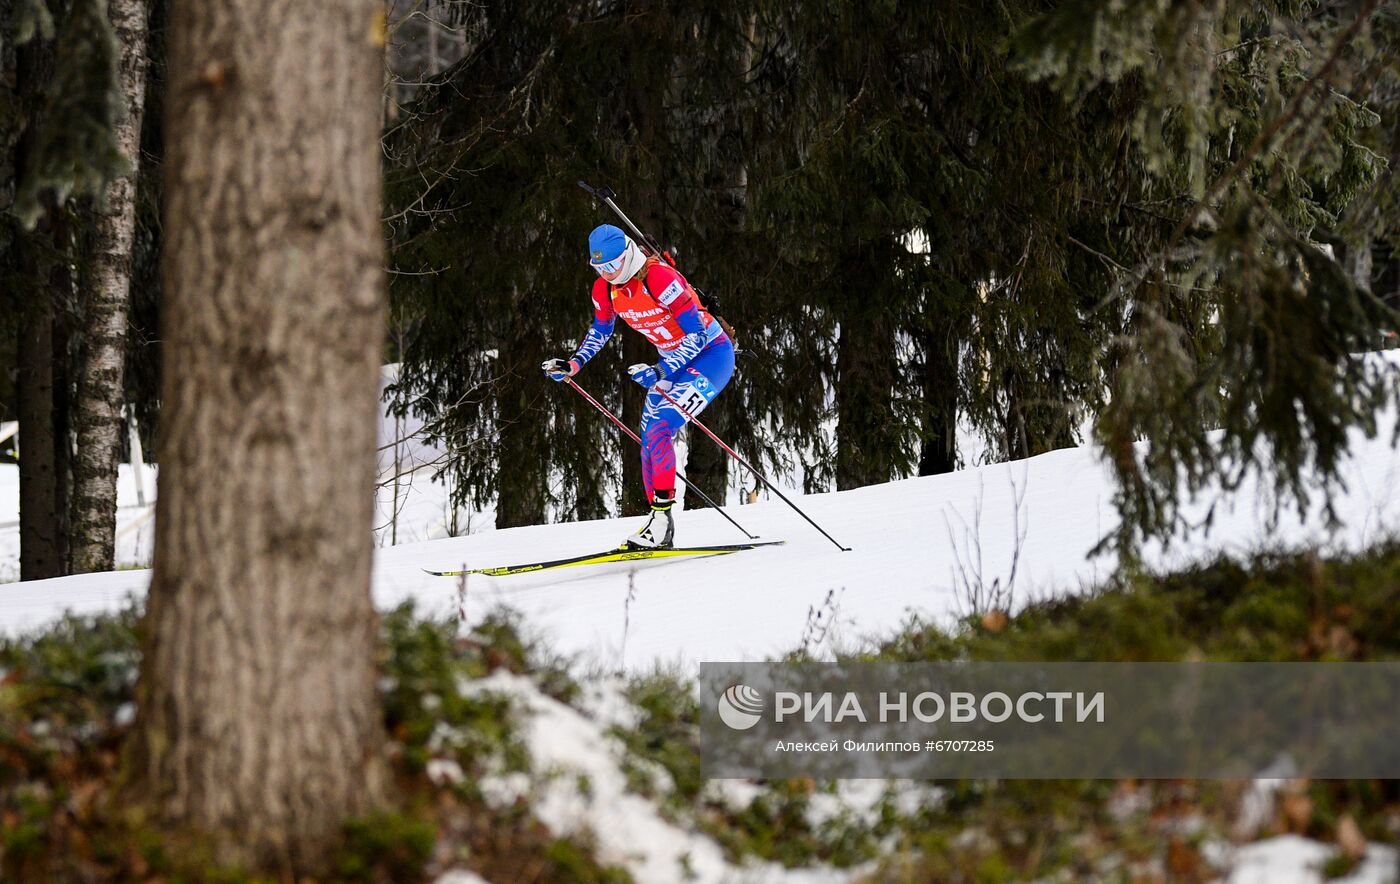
point(622, 553)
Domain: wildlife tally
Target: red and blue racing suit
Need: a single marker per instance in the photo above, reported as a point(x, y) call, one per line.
point(696, 356)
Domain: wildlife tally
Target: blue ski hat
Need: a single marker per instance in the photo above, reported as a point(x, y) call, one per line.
point(606, 244)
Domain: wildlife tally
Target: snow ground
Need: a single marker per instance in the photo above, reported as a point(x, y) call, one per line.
point(1292, 859)
point(916, 545)
point(409, 505)
point(568, 748)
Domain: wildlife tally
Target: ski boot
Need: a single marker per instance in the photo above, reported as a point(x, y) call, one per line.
point(660, 529)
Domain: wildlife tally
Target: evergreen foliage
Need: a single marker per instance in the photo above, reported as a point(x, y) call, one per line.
point(75, 151)
point(1238, 321)
point(60, 104)
point(1028, 214)
point(489, 272)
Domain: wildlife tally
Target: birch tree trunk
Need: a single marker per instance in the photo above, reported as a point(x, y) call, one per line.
point(258, 724)
point(97, 417)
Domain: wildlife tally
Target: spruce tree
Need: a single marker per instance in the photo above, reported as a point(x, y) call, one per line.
point(1246, 344)
point(918, 214)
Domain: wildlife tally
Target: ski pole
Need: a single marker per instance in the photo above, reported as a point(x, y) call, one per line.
point(635, 438)
point(734, 454)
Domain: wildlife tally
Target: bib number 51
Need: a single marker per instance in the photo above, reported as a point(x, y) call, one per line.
point(691, 400)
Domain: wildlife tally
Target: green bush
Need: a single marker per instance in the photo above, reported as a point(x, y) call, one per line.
point(386, 847)
point(668, 732)
point(1274, 607)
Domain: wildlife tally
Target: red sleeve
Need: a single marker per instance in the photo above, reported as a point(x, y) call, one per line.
point(670, 289)
point(602, 301)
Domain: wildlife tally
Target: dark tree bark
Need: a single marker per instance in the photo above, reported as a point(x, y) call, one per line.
point(1016, 440)
point(258, 722)
point(706, 465)
point(520, 414)
point(41, 550)
point(1030, 428)
point(864, 391)
point(97, 412)
point(867, 434)
point(38, 405)
point(45, 405)
point(938, 452)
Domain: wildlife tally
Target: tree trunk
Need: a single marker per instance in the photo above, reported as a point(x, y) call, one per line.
point(635, 349)
point(27, 70)
point(644, 200)
point(1030, 428)
point(259, 725)
point(864, 391)
point(40, 546)
point(97, 413)
point(44, 407)
point(706, 464)
point(1016, 438)
point(867, 435)
point(523, 472)
point(938, 452)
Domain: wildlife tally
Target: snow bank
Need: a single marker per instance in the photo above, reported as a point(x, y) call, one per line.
point(1291, 859)
point(578, 788)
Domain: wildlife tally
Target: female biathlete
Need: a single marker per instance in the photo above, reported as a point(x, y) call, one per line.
point(696, 358)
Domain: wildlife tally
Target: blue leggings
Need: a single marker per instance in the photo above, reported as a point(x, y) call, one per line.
point(693, 387)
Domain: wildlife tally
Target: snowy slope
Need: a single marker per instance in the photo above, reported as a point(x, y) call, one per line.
point(135, 525)
point(915, 544)
point(911, 540)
